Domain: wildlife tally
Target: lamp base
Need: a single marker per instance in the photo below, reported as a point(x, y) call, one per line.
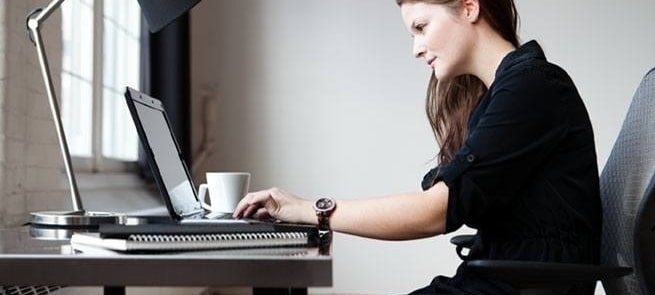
point(76, 218)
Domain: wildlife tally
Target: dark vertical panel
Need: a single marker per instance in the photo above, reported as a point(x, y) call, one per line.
point(144, 69)
point(170, 77)
point(165, 75)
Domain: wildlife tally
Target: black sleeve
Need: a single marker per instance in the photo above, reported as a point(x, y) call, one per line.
point(523, 121)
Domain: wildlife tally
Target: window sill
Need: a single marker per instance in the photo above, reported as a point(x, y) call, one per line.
point(120, 192)
point(111, 180)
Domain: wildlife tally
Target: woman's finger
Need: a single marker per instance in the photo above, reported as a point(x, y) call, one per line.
point(251, 199)
point(259, 197)
point(262, 213)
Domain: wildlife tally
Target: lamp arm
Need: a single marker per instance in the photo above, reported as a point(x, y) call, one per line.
point(34, 21)
point(47, 11)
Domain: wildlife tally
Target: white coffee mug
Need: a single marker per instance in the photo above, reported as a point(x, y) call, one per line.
point(225, 190)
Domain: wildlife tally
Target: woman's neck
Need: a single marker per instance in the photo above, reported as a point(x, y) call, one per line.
point(488, 55)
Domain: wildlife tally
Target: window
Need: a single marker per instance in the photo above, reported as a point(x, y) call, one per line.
point(100, 57)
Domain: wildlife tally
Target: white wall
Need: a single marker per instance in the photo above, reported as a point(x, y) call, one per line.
point(324, 98)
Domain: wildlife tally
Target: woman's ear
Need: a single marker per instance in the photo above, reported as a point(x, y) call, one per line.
point(471, 10)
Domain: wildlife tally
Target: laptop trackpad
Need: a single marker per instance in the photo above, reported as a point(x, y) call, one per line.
point(218, 215)
point(212, 221)
point(215, 217)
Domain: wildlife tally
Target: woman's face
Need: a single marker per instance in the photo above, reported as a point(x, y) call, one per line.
point(440, 37)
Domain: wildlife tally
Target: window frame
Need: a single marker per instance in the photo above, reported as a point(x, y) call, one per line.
point(97, 162)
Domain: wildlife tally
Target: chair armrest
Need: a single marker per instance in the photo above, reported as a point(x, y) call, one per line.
point(462, 242)
point(465, 241)
point(529, 273)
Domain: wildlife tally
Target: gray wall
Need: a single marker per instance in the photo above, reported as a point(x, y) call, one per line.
point(324, 98)
point(31, 170)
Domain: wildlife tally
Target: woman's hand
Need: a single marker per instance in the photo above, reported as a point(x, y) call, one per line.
point(277, 204)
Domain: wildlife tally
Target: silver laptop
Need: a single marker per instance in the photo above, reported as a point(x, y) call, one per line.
point(169, 170)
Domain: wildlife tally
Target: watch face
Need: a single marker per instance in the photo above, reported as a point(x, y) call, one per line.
point(324, 204)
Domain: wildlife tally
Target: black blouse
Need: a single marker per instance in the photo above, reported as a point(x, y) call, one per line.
point(526, 177)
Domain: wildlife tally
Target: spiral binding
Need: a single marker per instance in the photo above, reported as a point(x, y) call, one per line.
point(233, 240)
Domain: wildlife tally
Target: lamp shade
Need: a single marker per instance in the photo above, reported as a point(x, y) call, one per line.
point(160, 13)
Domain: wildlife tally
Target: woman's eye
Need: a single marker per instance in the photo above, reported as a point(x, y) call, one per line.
point(419, 28)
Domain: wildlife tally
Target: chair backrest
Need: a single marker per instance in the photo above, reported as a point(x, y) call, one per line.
point(645, 241)
point(626, 187)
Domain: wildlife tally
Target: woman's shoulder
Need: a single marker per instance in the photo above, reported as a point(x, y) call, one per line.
point(528, 69)
point(533, 76)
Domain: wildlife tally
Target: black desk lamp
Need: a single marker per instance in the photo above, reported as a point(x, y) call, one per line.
point(158, 14)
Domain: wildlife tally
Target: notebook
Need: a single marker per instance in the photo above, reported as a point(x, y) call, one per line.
point(169, 170)
point(178, 237)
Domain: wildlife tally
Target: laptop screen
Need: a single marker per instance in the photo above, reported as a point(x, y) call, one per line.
point(163, 152)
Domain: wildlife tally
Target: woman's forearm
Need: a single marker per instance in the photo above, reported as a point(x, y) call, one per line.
point(394, 217)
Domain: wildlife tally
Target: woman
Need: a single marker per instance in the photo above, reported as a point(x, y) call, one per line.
point(517, 159)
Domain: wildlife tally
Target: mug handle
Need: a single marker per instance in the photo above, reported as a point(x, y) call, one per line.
point(202, 194)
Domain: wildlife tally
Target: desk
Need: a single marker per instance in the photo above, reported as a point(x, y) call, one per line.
point(27, 260)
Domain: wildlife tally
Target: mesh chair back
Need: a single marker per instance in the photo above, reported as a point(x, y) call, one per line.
point(624, 180)
point(645, 241)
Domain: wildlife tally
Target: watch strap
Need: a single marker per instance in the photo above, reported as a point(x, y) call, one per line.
point(323, 222)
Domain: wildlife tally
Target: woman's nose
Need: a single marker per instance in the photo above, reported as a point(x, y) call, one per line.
point(419, 49)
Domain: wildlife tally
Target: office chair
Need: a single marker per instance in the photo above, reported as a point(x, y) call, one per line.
point(627, 188)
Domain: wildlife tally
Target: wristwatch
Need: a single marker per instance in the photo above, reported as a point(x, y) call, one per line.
point(324, 207)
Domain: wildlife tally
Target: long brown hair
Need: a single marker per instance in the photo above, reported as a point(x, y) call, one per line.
point(449, 103)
